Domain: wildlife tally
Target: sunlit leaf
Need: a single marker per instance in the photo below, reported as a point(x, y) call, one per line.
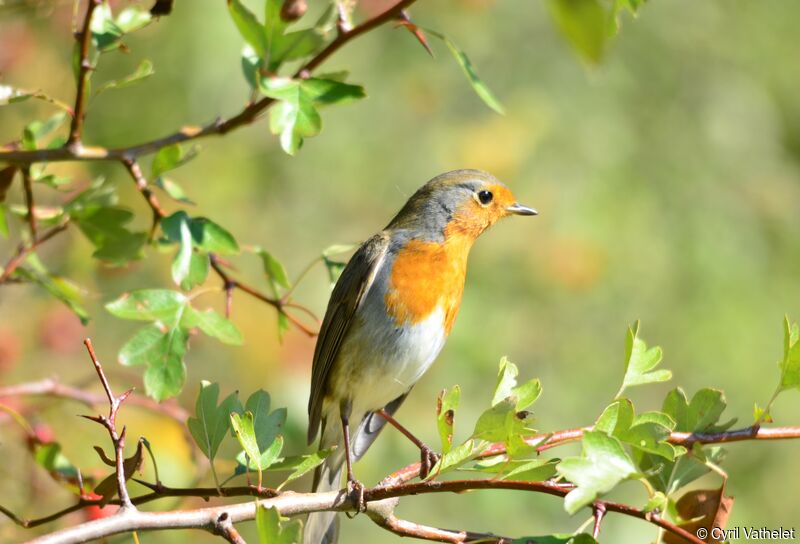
point(211, 422)
point(143, 71)
point(602, 466)
point(476, 82)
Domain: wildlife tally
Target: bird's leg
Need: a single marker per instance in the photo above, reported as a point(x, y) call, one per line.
point(427, 457)
point(354, 487)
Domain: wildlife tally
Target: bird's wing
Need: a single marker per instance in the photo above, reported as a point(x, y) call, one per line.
point(354, 283)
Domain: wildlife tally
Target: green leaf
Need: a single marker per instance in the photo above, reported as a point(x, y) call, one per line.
point(300, 465)
point(334, 269)
point(171, 157)
point(9, 95)
point(173, 190)
point(150, 305)
point(326, 92)
point(338, 249)
point(147, 345)
point(584, 24)
point(647, 432)
point(214, 325)
point(199, 265)
point(456, 457)
point(296, 45)
point(211, 237)
point(59, 287)
point(50, 458)
point(701, 414)
point(294, 117)
point(105, 32)
point(790, 365)
point(248, 26)
point(506, 380)
point(166, 374)
point(38, 130)
point(211, 422)
point(206, 234)
point(182, 262)
point(445, 415)
point(243, 427)
point(3, 222)
point(267, 427)
point(478, 85)
point(640, 362)
point(274, 28)
point(603, 465)
point(131, 19)
point(143, 71)
point(105, 228)
point(252, 65)
point(271, 531)
point(531, 470)
point(273, 268)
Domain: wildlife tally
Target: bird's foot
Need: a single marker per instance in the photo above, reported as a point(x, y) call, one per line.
point(355, 492)
point(427, 460)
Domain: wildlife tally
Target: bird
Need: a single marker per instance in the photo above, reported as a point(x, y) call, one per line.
point(387, 319)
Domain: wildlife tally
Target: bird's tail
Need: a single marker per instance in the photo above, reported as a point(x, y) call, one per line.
point(323, 527)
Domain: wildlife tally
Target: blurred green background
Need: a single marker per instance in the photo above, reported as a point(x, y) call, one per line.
point(668, 182)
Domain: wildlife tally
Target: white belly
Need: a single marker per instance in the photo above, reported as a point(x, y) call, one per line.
point(383, 361)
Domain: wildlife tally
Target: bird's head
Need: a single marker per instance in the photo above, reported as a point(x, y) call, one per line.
point(462, 202)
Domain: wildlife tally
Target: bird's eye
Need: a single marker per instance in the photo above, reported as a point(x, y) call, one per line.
point(485, 197)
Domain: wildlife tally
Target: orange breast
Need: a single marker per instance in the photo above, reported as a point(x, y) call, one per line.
point(426, 276)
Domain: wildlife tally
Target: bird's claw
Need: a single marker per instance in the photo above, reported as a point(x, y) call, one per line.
point(355, 492)
point(427, 460)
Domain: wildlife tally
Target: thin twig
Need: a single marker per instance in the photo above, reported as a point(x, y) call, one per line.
point(23, 251)
point(229, 285)
point(52, 388)
point(249, 114)
point(110, 423)
point(141, 184)
point(84, 71)
point(27, 184)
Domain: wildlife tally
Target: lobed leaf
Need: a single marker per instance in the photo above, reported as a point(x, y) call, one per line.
point(640, 362)
point(602, 466)
point(211, 422)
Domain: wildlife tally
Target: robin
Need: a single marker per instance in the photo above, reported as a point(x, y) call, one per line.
point(388, 317)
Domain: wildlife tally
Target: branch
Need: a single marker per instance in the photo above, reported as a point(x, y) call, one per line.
point(84, 71)
point(141, 184)
point(23, 251)
point(110, 423)
point(250, 113)
point(229, 284)
point(52, 388)
point(393, 486)
point(27, 184)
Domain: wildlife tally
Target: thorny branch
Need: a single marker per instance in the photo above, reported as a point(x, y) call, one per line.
point(110, 423)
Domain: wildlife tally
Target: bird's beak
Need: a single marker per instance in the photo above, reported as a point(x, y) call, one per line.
point(518, 209)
